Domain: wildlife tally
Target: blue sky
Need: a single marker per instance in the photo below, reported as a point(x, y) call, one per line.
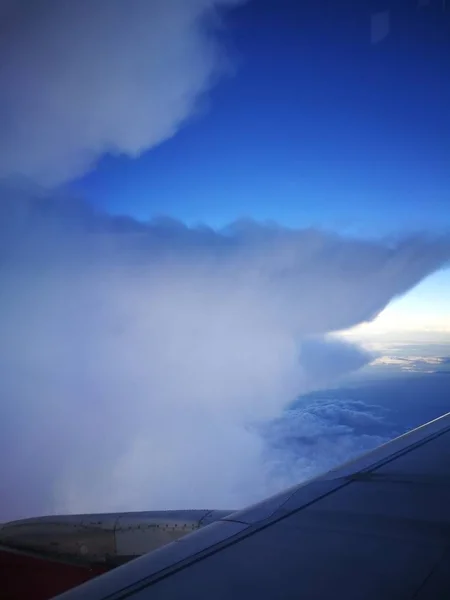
point(317, 125)
point(328, 117)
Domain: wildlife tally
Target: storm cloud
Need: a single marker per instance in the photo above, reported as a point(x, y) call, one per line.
point(84, 78)
point(140, 362)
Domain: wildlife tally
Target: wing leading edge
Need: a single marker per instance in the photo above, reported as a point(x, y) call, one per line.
point(377, 527)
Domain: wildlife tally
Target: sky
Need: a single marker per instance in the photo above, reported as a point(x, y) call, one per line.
point(215, 216)
point(335, 115)
point(318, 123)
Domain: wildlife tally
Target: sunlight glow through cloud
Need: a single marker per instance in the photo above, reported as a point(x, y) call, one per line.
point(425, 309)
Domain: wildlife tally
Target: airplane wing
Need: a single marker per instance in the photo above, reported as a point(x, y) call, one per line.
point(375, 528)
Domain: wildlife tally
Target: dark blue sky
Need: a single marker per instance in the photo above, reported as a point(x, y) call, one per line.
point(317, 126)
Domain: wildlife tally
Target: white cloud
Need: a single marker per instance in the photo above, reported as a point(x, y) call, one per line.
point(85, 77)
point(138, 362)
point(411, 364)
point(318, 434)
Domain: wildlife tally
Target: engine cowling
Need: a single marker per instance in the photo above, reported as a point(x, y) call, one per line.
point(110, 538)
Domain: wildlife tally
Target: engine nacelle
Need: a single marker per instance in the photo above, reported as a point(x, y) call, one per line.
point(111, 538)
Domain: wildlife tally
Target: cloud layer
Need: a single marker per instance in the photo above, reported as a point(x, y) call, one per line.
point(139, 362)
point(78, 79)
point(317, 434)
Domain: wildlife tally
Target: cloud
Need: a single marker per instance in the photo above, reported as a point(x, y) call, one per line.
point(412, 364)
point(80, 79)
point(139, 362)
point(317, 434)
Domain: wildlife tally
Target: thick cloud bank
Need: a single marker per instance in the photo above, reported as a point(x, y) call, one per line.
point(140, 363)
point(79, 78)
